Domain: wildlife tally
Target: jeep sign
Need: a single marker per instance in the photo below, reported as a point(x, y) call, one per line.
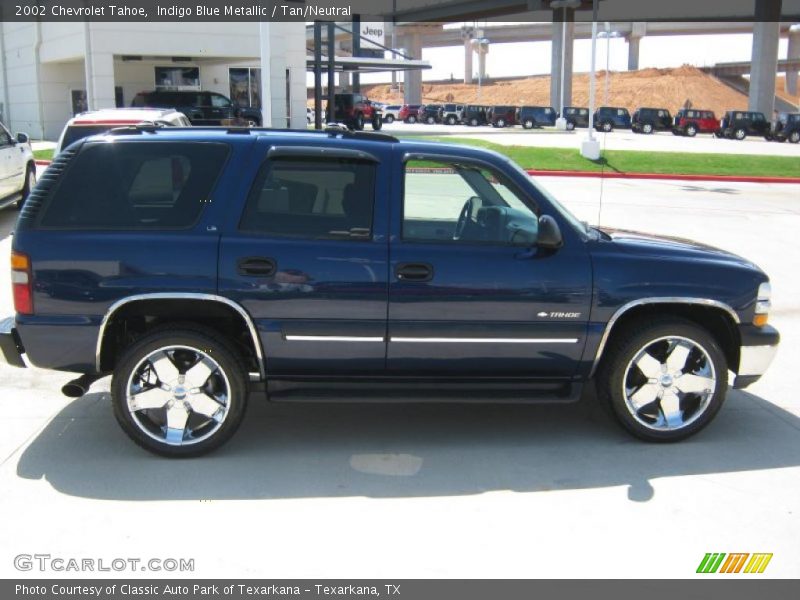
point(372, 34)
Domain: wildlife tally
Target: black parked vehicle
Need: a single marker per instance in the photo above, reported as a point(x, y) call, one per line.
point(503, 116)
point(648, 120)
point(787, 127)
point(430, 113)
point(738, 124)
point(576, 116)
point(202, 268)
point(608, 118)
point(202, 108)
point(537, 116)
point(451, 113)
point(475, 115)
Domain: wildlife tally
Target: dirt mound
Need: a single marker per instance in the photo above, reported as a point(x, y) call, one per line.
point(668, 88)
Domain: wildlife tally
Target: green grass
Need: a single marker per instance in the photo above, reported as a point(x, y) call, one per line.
point(630, 161)
point(43, 154)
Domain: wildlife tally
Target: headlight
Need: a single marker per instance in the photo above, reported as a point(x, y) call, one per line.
point(763, 304)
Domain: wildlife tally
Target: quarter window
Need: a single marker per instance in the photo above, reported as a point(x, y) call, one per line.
point(135, 185)
point(312, 198)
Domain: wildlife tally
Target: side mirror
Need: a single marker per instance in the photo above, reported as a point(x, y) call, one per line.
point(22, 138)
point(549, 233)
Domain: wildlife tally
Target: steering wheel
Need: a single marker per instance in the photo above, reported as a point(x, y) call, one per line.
point(464, 217)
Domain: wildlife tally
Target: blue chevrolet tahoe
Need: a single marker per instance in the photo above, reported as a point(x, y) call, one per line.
point(199, 267)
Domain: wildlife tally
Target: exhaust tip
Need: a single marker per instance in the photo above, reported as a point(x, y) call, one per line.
point(73, 390)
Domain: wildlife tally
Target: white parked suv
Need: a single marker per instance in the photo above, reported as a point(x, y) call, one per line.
point(390, 112)
point(17, 168)
point(97, 121)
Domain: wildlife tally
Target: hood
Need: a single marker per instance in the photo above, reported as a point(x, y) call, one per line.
point(654, 245)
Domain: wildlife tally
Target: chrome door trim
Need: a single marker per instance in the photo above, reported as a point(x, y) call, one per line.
point(333, 338)
point(454, 340)
point(656, 300)
point(183, 296)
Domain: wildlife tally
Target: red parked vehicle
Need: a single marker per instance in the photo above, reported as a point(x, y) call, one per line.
point(690, 121)
point(409, 113)
point(503, 116)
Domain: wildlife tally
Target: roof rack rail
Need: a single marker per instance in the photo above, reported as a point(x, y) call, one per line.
point(331, 130)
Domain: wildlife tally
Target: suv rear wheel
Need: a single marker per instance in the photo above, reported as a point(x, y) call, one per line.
point(607, 126)
point(389, 119)
point(430, 120)
point(473, 122)
point(570, 125)
point(794, 137)
point(527, 124)
point(647, 128)
point(691, 130)
point(358, 125)
point(739, 133)
point(412, 119)
point(30, 182)
point(451, 120)
point(665, 379)
point(179, 392)
point(501, 122)
point(377, 122)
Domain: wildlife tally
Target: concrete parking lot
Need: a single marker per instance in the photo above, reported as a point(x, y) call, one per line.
point(549, 137)
point(436, 491)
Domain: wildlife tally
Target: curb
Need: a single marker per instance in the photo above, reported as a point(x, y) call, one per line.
point(682, 177)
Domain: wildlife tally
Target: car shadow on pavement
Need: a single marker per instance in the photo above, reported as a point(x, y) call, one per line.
point(8, 220)
point(403, 450)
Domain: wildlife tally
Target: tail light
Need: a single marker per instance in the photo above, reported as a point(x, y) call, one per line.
point(22, 283)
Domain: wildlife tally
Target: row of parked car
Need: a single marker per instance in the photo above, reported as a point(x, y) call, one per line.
point(735, 124)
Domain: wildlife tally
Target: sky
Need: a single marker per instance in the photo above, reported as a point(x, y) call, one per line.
point(654, 51)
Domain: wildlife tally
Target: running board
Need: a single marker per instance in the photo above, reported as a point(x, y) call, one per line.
point(425, 392)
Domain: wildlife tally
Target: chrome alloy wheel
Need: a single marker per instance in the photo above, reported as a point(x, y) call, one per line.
point(669, 383)
point(178, 395)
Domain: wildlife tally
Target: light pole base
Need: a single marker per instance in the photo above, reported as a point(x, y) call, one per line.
point(561, 123)
point(590, 149)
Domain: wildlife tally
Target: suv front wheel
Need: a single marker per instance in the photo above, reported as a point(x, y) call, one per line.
point(607, 126)
point(739, 133)
point(794, 137)
point(647, 128)
point(665, 379)
point(179, 392)
point(691, 130)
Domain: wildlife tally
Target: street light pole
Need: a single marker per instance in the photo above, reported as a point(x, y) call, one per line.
point(590, 148)
point(608, 57)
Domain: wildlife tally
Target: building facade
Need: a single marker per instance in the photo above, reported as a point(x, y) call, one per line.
point(51, 71)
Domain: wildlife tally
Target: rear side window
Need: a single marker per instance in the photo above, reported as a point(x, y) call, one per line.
point(135, 185)
point(312, 198)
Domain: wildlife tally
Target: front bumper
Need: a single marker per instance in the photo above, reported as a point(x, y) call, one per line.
point(759, 346)
point(10, 344)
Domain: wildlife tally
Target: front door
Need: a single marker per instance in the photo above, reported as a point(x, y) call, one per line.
point(470, 294)
point(307, 258)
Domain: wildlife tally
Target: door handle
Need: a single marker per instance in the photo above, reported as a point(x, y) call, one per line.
point(257, 266)
point(414, 272)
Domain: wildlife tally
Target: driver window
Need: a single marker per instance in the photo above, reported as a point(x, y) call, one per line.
point(460, 203)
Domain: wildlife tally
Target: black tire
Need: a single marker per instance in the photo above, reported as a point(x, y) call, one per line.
point(794, 137)
point(647, 128)
point(230, 372)
point(358, 124)
point(527, 124)
point(473, 122)
point(430, 120)
point(501, 123)
point(691, 130)
point(30, 181)
point(389, 119)
point(412, 119)
point(607, 126)
point(377, 123)
point(627, 345)
point(570, 125)
point(739, 133)
point(451, 120)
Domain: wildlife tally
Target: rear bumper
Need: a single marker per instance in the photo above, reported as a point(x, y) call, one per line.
point(759, 346)
point(10, 344)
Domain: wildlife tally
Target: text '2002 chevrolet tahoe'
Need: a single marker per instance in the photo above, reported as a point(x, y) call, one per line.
point(199, 266)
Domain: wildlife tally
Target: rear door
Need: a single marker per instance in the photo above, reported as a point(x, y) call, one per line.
point(307, 258)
